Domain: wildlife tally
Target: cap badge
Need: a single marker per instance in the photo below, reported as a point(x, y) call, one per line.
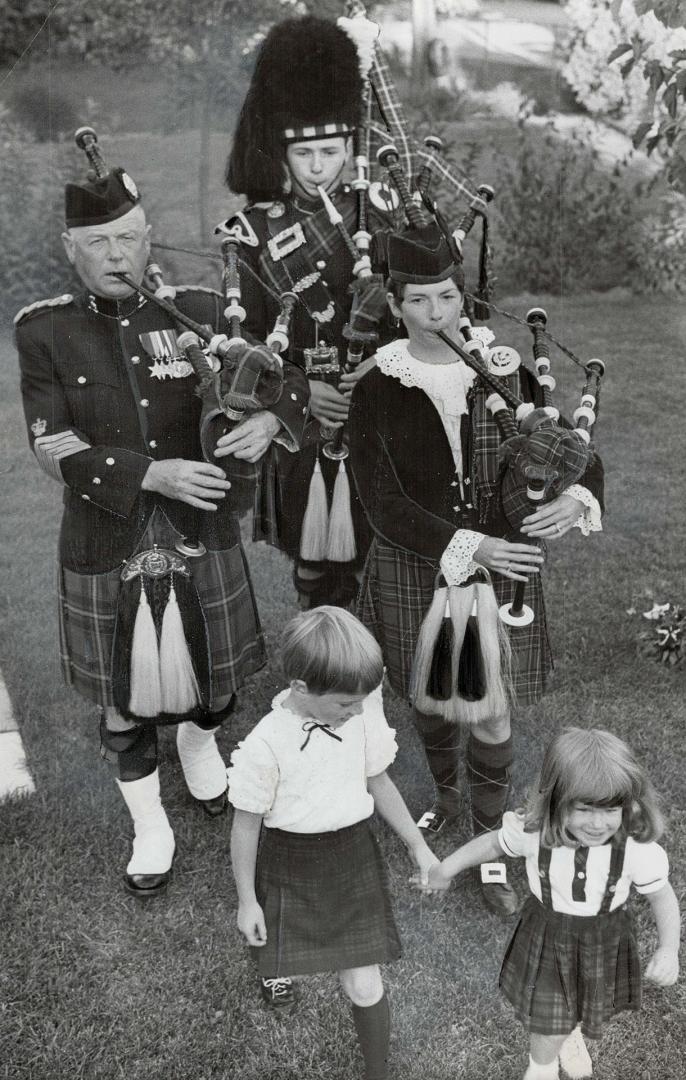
point(131, 189)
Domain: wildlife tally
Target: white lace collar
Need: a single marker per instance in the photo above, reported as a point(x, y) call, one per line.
point(446, 384)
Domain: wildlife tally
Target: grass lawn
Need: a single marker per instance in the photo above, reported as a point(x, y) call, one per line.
point(95, 985)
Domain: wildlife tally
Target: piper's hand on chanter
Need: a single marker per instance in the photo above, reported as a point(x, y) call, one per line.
point(554, 519)
point(515, 561)
point(194, 482)
point(663, 967)
point(350, 378)
point(250, 919)
point(328, 405)
point(250, 439)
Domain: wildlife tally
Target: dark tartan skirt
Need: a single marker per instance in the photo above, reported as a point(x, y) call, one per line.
point(87, 611)
point(397, 590)
point(562, 970)
point(325, 901)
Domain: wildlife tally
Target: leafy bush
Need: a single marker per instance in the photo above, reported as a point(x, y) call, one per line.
point(562, 220)
point(43, 110)
point(660, 247)
point(31, 210)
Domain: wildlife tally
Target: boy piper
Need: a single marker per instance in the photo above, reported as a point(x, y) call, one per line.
point(112, 415)
point(293, 138)
point(313, 771)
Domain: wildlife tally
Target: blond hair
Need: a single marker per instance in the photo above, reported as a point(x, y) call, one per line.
point(332, 652)
point(594, 767)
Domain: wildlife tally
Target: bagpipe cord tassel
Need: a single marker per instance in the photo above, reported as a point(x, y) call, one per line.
point(315, 530)
point(145, 685)
point(180, 690)
point(341, 538)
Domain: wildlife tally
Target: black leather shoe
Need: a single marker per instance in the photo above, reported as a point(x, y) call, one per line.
point(216, 806)
point(145, 886)
point(278, 993)
point(500, 898)
point(434, 820)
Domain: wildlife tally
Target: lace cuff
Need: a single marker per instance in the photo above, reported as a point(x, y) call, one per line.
point(589, 519)
point(457, 561)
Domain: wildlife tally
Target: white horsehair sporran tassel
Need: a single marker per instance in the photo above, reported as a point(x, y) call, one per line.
point(341, 539)
point(180, 690)
point(146, 691)
point(315, 528)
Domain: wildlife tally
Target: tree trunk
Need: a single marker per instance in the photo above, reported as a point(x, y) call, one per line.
point(423, 33)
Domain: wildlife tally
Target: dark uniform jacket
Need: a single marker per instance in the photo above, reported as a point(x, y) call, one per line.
point(326, 256)
point(106, 392)
point(405, 472)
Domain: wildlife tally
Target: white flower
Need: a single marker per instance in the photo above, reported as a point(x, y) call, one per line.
point(656, 611)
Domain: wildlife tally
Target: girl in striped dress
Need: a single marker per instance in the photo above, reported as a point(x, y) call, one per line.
point(588, 835)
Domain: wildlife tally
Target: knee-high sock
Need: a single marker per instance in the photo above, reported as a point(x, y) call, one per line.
point(373, 1026)
point(442, 748)
point(488, 771)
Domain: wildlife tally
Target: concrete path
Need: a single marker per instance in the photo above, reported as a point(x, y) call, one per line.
point(15, 778)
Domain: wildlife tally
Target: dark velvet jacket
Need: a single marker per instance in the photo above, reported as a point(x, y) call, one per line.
point(99, 410)
point(405, 473)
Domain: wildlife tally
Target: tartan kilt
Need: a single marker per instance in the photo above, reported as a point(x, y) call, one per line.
point(396, 592)
point(87, 609)
point(325, 900)
point(561, 970)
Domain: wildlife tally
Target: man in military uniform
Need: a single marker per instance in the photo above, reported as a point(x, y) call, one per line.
point(293, 137)
point(112, 414)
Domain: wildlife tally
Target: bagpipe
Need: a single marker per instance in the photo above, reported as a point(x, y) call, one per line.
point(461, 662)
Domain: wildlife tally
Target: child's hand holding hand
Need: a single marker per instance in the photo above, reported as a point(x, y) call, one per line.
point(438, 879)
point(425, 860)
point(663, 968)
point(251, 923)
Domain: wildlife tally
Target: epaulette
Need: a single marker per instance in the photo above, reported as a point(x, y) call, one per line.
point(198, 288)
point(239, 227)
point(42, 305)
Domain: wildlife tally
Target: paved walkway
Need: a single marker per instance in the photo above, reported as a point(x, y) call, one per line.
point(15, 778)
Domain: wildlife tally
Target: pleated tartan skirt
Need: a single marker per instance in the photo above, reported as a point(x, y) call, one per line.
point(396, 593)
point(326, 902)
point(562, 970)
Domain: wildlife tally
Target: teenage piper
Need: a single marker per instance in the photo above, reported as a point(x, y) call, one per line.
point(419, 405)
point(293, 142)
point(112, 415)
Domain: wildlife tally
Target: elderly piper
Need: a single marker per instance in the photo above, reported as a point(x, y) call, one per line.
point(158, 622)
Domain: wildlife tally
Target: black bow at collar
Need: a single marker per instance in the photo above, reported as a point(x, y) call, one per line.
point(311, 725)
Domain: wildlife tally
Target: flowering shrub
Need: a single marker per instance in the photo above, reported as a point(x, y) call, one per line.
point(597, 28)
